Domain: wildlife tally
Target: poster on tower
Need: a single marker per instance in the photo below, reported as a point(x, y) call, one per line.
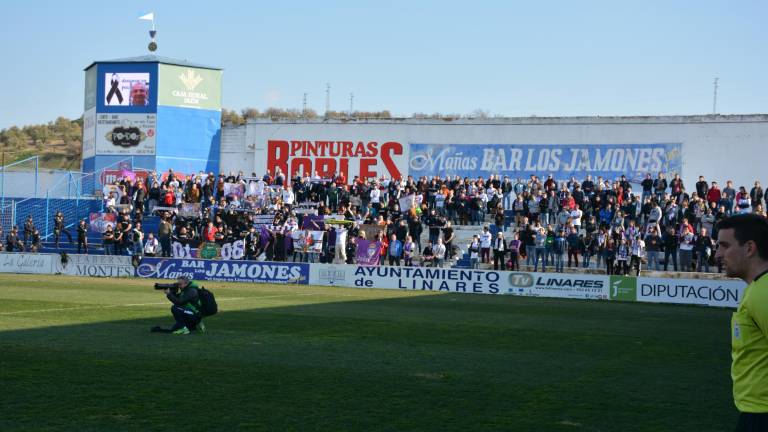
point(126, 87)
point(126, 134)
point(189, 87)
point(89, 133)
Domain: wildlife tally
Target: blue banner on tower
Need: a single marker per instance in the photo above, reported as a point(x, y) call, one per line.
point(126, 88)
point(609, 161)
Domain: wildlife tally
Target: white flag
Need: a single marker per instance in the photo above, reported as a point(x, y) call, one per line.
point(149, 17)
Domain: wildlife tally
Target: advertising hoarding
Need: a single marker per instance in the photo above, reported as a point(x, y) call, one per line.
point(366, 159)
point(562, 160)
point(95, 266)
point(126, 88)
point(90, 89)
point(189, 87)
point(126, 134)
point(224, 271)
point(709, 292)
point(11, 262)
point(89, 133)
point(558, 285)
point(409, 278)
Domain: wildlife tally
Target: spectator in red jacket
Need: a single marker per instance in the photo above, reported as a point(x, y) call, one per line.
point(169, 199)
point(209, 233)
point(713, 194)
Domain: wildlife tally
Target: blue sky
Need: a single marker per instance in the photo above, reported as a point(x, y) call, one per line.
point(545, 58)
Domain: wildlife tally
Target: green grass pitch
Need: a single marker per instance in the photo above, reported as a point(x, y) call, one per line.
point(76, 355)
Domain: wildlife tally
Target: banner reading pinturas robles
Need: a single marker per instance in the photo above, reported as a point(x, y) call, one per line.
point(224, 271)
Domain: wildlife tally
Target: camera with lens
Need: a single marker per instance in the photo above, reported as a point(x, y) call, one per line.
point(170, 286)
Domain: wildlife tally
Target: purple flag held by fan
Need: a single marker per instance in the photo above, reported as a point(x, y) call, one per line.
point(368, 252)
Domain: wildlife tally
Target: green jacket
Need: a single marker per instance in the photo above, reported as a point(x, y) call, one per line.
point(187, 298)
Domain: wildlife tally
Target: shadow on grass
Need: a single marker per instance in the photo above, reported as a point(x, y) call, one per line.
point(434, 362)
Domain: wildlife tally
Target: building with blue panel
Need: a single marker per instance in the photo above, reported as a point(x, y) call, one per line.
point(152, 113)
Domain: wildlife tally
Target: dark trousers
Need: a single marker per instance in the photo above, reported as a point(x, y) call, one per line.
point(667, 255)
point(184, 318)
point(498, 260)
point(394, 260)
point(514, 261)
point(82, 243)
point(485, 255)
point(752, 422)
point(573, 253)
point(622, 267)
point(165, 245)
point(57, 233)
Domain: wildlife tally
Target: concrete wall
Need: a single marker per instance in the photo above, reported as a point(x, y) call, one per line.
point(718, 147)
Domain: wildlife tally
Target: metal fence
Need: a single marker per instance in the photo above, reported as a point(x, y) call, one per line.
point(75, 194)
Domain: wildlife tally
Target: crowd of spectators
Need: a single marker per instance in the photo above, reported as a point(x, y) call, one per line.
point(609, 225)
point(592, 223)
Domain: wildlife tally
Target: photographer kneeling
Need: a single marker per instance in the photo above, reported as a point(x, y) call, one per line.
point(186, 307)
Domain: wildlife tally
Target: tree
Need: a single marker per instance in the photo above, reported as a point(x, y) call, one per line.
point(250, 113)
point(231, 117)
point(14, 137)
point(39, 134)
point(74, 134)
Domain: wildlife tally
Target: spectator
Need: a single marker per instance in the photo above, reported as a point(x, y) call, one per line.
point(474, 252)
point(82, 237)
point(660, 186)
point(12, 242)
point(743, 201)
point(29, 229)
point(574, 247)
point(609, 252)
point(152, 246)
point(428, 255)
point(137, 240)
point(485, 245)
point(108, 240)
point(653, 245)
point(670, 244)
point(728, 197)
point(439, 253)
point(559, 247)
point(448, 237)
point(164, 232)
point(540, 250)
point(704, 245)
point(622, 258)
point(514, 252)
point(638, 254)
point(36, 241)
point(687, 243)
point(756, 195)
point(409, 249)
point(59, 227)
point(499, 251)
point(395, 250)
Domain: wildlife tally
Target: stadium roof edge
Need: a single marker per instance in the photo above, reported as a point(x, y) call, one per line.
point(534, 120)
point(154, 59)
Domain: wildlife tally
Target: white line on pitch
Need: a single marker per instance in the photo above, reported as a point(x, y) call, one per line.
point(147, 304)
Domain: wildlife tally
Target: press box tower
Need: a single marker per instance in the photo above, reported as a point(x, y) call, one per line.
point(156, 112)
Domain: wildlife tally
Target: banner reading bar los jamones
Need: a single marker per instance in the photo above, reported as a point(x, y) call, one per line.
point(609, 161)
